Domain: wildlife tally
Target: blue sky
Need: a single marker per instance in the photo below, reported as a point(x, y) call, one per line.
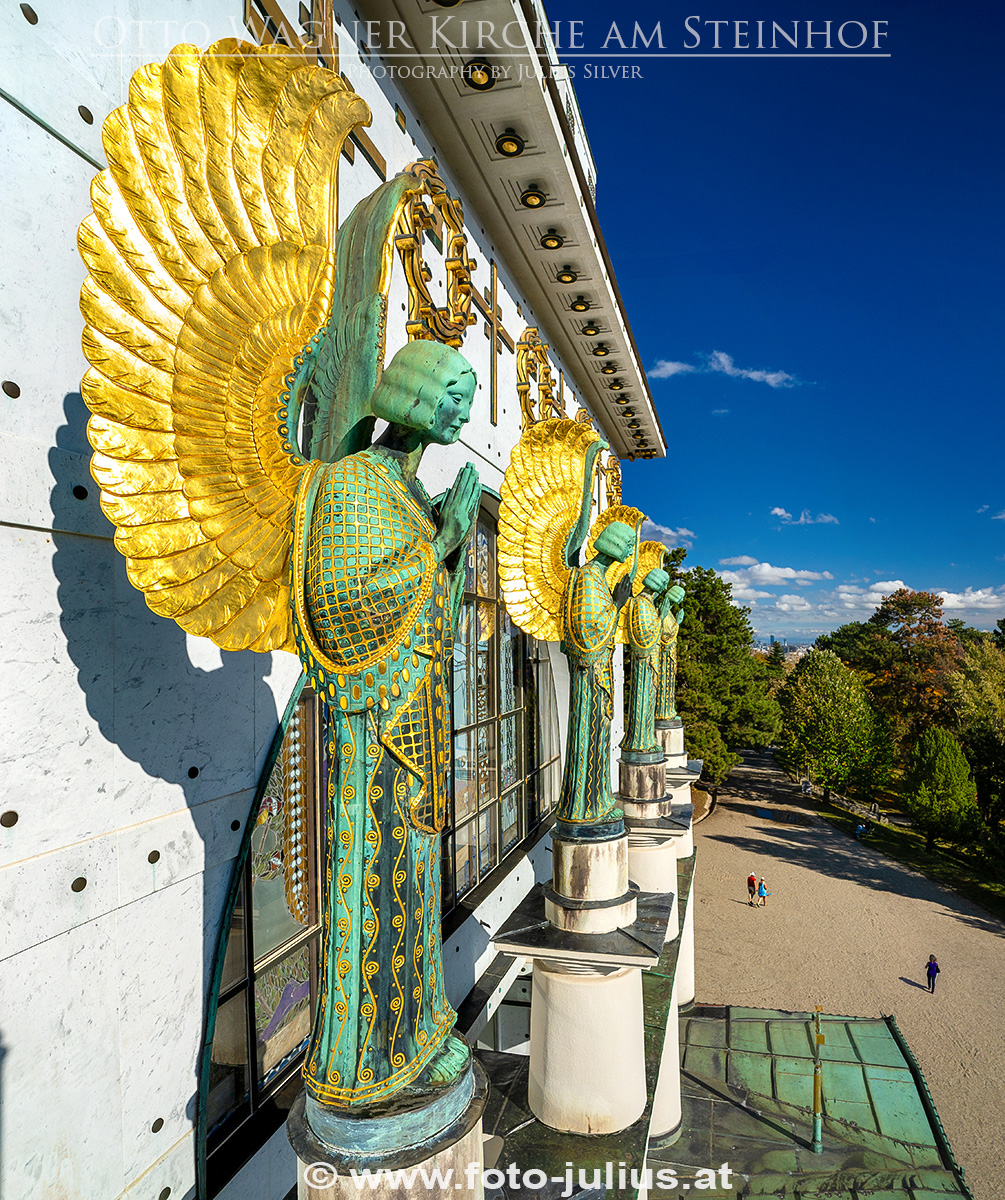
point(810, 252)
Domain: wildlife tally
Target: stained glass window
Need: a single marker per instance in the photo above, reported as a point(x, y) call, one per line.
point(505, 760)
point(269, 976)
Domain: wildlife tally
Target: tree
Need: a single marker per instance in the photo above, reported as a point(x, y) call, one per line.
point(905, 656)
point(965, 634)
point(775, 661)
point(723, 692)
point(939, 794)
point(998, 633)
point(829, 726)
point(914, 692)
point(978, 689)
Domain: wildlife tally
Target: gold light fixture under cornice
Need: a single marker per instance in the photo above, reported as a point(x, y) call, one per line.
point(533, 197)
point(590, 329)
point(580, 305)
point(609, 369)
point(478, 74)
point(616, 385)
point(552, 240)
point(566, 275)
point(510, 144)
point(600, 350)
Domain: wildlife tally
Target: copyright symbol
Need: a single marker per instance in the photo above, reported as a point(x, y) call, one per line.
point(320, 1175)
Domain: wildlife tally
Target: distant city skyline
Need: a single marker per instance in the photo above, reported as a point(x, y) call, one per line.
point(814, 246)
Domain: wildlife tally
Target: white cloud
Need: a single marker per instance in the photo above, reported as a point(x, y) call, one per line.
point(719, 412)
point(984, 508)
point(999, 516)
point(720, 363)
point(741, 560)
point(979, 599)
point(854, 599)
point(804, 518)
point(665, 369)
point(748, 595)
point(763, 574)
point(651, 531)
point(793, 603)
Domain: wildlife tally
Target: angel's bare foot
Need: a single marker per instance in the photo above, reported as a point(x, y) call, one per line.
point(448, 1063)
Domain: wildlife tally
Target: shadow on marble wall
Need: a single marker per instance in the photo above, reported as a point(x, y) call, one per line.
point(3, 1055)
point(180, 722)
point(196, 725)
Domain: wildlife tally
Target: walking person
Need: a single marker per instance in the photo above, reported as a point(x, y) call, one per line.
point(931, 970)
point(751, 888)
point(762, 894)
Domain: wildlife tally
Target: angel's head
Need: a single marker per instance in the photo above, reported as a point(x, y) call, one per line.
point(616, 541)
point(656, 581)
point(429, 387)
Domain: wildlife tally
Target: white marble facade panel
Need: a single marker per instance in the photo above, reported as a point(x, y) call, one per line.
point(172, 1175)
point(57, 648)
point(43, 897)
point(155, 854)
point(59, 1052)
point(175, 723)
point(160, 964)
point(46, 196)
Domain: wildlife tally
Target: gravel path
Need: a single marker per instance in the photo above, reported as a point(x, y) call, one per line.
point(851, 930)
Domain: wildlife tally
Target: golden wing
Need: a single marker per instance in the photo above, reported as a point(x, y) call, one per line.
point(617, 571)
point(211, 252)
point(650, 559)
point(542, 502)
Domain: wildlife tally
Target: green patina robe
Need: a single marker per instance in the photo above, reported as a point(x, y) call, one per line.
point(665, 692)
point(374, 616)
point(642, 664)
point(590, 617)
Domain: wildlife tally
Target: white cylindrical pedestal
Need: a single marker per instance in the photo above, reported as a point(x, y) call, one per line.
point(652, 865)
point(587, 1048)
point(665, 1125)
point(671, 738)
point(685, 959)
point(685, 844)
point(318, 1181)
point(586, 870)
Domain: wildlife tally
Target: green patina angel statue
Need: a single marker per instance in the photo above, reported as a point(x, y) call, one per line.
point(236, 376)
point(642, 636)
point(543, 519)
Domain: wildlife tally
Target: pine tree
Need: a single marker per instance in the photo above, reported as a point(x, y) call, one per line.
point(939, 794)
point(829, 726)
point(775, 661)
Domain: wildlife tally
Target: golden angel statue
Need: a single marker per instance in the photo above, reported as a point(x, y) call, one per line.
point(543, 520)
point(236, 346)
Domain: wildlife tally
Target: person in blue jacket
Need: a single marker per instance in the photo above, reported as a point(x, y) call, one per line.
point(931, 970)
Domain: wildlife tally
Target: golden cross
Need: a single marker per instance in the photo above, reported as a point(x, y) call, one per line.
point(488, 306)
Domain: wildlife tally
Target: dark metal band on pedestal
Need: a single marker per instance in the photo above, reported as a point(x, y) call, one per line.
point(599, 831)
point(396, 1151)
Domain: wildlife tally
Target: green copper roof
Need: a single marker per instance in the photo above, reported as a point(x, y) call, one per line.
point(747, 1088)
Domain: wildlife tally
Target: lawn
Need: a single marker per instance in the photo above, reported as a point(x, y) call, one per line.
point(952, 867)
